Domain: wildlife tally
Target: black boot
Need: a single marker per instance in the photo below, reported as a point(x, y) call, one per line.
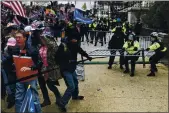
point(91, 42)
point(132, 74)
point(126, 71)
point(61, 107)
point(151, 74)
point(45, 103)
point(109, 67)
point(121, 67)
point(78, 98)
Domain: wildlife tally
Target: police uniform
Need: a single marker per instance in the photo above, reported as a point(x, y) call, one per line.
point(86, 33)
point(105, 28)
point(127, 28)
point(92, 27)
point(99, 34)
point(123, 30)
point(160, 52)
point(131, 47)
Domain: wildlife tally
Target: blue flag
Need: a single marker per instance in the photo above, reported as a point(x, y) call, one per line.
point(28, 103)
point(79, 17)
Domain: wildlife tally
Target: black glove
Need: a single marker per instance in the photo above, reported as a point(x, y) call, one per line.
point(135, 48)
point(147, 49)
point(89, 58)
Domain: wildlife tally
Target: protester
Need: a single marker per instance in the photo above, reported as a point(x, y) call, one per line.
point(9, 70)
point(21, 87)
point(47, 53)
point(66, 57)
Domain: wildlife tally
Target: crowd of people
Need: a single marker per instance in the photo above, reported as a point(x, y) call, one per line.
point(38, 40)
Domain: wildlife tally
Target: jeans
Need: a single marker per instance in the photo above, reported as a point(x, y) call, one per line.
point(21, 89)
point(72, 87)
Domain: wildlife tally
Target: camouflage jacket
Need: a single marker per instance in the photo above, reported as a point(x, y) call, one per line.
point(52, 48)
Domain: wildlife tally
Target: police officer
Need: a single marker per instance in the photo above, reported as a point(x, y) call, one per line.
point(92, 27)
point(86, 32)
point(105, 28)
point(160, 52)
point(126, 28)
point(82, 31)
point(100, 34)
point(138, 28)
point(131, 46)
point(116, 42)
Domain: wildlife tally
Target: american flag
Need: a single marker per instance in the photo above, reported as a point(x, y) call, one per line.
point(17, 8)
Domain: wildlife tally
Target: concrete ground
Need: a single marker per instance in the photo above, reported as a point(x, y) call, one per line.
point(112, 91)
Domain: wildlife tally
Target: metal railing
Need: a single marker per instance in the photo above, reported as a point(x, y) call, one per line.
point(144, 41)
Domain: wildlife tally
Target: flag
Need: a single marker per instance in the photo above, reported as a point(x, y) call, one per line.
point(28, 103)
point(79, 17)
point(17, 8)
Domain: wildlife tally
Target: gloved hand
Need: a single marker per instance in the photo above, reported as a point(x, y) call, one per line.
point(147, 49)
point(135, 48)
point(89, 58)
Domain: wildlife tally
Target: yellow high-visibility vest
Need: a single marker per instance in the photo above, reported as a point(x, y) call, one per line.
point(130, 49)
